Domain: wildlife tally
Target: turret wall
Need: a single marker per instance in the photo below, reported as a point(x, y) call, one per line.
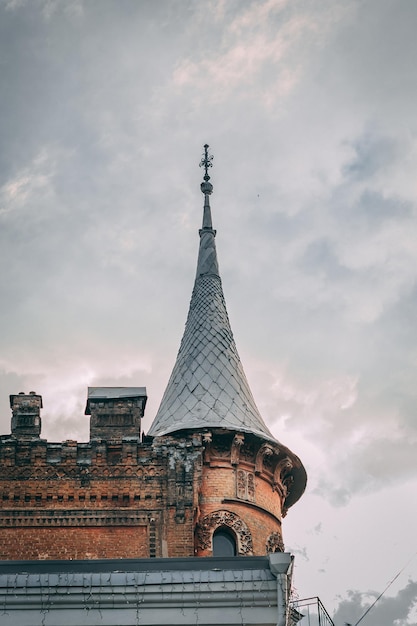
point(240, 492)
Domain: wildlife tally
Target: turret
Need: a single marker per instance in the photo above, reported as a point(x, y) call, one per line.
point(249, 478)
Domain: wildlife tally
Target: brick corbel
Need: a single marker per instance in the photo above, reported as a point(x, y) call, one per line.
point(237, 443)
point(265, 450)
point(207, 442)
point(281, 476)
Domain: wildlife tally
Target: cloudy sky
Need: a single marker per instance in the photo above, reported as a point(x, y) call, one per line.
point(309, 107)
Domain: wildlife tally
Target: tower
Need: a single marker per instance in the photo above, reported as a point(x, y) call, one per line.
point(208, 479)
point(120, 526)
point(248, 478)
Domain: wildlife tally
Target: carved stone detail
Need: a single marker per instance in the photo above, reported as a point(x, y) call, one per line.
point(287, 481)
point(264, 451)
point(282, 478)
point(268, 462)
point(251, 487)
point(245, 485)
point(212, 521)
point(237, 443)
point(207, 443)
point(274, 543)
point(207, 437)
point(241, 484)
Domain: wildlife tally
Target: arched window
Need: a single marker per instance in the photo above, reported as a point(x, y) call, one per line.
point(224, 543)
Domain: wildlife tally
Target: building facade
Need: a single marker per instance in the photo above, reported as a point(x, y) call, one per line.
point(208, 479)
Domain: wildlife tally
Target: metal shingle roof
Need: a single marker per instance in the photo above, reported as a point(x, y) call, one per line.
point(208, 387)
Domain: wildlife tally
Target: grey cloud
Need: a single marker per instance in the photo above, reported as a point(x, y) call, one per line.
point(372, 60)
point(320, 257)
point(367, 469)
point(373, 153)
point(387, 611)
point(374, 207)
point(313, 234)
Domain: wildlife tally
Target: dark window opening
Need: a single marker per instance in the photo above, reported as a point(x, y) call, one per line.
point(224, 543)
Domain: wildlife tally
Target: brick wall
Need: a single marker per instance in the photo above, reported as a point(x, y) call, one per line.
point(98, 499)
point(240, 491)
point(118, 542)
point(162, 497)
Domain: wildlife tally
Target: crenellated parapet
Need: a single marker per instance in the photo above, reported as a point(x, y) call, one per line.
point(86, 500)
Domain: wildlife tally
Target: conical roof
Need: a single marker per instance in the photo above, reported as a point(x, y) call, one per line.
point(208, 387)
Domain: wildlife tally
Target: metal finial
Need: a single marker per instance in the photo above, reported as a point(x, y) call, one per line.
point(206, 161)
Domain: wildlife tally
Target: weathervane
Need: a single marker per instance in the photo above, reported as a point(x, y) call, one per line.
point(206, 161)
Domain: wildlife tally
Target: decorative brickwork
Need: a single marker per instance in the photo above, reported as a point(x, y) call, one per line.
point(274, 543)
point(158, 490)
point(230, 520)
point(245, 485)
point(100, 490)
point(235, 479)
point(115, 411)
point(282, 474)
point(262, 456)
point(26, 419)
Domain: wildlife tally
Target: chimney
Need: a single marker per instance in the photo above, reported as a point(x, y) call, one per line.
point(116, 412)
point(26, 418)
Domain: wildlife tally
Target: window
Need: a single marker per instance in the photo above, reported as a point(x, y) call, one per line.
point(224, 543)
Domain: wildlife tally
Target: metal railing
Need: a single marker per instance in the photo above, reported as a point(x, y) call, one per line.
point(311, 612)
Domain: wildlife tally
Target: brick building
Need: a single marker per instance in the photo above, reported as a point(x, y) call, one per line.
point(207, 479)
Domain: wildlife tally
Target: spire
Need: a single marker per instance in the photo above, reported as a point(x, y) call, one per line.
point(207, 257)
point(208, 387)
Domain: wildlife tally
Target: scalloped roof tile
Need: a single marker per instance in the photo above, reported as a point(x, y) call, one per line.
point(208, 387)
